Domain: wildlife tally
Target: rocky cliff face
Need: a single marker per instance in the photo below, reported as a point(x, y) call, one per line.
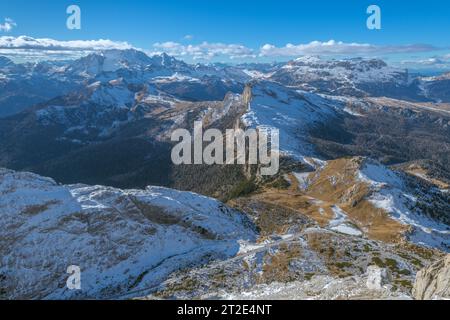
point(433, 282)
point(122, 240)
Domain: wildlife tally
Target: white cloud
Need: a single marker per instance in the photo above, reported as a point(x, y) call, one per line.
point(204, 51)
point(29, 43)
point(8, 25)
point(333, 47)
point(188, 37)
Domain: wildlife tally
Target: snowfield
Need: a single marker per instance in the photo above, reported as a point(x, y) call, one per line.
point(290, 111)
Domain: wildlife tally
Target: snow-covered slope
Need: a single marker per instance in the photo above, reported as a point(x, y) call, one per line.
point(123, 240)
point(93, 114)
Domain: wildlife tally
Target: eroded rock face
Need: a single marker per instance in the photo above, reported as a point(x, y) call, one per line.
point(433, 282)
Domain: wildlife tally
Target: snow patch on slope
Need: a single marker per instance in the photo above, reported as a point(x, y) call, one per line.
point(116, 95)
point(341, 224)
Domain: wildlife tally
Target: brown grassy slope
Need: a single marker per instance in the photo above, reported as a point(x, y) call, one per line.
point(335, 184)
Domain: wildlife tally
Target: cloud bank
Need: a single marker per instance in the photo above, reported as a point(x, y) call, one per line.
point(29, 43)
point(26, 48)
point(436, 62)
point(208, 51)
point(205, 50)
point(333, 47)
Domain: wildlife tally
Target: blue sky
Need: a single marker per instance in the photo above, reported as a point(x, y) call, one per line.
point(249, 24)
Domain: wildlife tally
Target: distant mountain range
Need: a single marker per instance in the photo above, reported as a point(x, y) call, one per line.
point(39, 82)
